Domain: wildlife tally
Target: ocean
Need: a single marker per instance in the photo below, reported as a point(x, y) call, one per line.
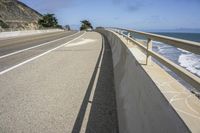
point(186, 59)
point(183, 58)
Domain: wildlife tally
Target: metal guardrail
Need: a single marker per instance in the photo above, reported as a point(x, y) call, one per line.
point(193, 47)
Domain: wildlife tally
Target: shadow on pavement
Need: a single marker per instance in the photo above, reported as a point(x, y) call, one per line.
point(103, 114)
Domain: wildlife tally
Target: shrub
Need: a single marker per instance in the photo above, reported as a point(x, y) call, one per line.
point(48, 20)
point(3, 25)
point(86, 25)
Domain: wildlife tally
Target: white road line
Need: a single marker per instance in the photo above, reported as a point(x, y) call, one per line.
point(91, 98)
point(16, 52)
point(29, 60)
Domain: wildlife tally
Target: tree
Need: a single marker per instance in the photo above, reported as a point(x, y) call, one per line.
point(48, 20)
point(86, 25)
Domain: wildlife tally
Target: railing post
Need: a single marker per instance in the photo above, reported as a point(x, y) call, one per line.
point(118, 31)
point(129, 35)
point(121, 33)
point(149, 47)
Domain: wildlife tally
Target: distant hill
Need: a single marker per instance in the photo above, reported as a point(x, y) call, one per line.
point(16, 15)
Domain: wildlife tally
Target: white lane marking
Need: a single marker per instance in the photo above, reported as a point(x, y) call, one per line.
point(91, 98)
point(16, 52)
point(81, 42)
point(29, 60)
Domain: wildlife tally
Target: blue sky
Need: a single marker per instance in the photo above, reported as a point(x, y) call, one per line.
point(136, 14)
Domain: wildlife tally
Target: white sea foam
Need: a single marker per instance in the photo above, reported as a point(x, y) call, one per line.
point(191, 62)
point(161, 46)
point(156, 42)
point(186, 59)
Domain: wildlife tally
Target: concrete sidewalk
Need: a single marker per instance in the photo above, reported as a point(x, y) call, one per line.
point(68, 90)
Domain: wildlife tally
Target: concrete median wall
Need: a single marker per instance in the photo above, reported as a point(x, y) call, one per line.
point(26, 32)
point(141, 106)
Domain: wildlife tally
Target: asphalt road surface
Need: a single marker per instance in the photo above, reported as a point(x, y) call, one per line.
point(57, 83)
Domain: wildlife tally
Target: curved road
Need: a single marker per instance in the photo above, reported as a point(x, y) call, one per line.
point(55, 83)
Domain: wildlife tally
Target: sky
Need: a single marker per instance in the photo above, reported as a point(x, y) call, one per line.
point(135, 14)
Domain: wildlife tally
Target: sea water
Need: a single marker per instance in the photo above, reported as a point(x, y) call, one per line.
point(186, 59)
point(183, 58)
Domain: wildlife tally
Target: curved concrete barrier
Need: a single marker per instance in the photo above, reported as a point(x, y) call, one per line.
point(26, 33)
point(141, 106)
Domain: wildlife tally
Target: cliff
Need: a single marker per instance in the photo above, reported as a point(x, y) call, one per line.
point(16, 15)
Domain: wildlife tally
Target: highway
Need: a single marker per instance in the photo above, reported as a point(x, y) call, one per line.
point(56, 83)
point(14, 51)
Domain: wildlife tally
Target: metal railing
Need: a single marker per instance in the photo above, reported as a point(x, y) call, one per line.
point(193, 47)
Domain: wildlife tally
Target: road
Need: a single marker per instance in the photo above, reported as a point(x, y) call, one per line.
point(14, 51)
point(59, 82)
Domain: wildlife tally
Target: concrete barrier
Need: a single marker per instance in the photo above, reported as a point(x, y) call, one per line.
point(141, 106)
point(25, 33)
